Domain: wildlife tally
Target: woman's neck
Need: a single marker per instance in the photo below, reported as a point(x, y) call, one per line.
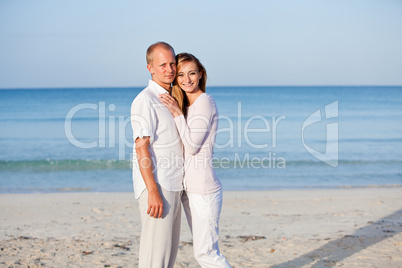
point(193, 96)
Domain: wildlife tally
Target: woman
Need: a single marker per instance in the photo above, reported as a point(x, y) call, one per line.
point(196, 119)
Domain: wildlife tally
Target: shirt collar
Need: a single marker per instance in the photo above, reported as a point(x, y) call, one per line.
point(156, 87)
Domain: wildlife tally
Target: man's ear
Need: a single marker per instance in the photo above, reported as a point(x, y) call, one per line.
point(150, 69)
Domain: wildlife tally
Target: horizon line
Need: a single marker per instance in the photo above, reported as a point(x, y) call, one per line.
point(236, 86)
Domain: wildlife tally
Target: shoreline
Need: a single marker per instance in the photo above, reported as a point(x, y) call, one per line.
point(305, 188)
point(350, 227)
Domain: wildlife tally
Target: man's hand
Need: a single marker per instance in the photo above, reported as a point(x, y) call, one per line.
point(155, 204)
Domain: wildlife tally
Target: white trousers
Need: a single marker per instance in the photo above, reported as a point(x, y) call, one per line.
point(202, 212)
point(160, 237)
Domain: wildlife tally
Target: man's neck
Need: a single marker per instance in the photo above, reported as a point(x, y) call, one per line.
point(165, 86)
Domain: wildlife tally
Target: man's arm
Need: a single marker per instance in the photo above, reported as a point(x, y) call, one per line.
point(155, 202)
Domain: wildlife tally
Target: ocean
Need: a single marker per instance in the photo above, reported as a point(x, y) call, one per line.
point(269, 138)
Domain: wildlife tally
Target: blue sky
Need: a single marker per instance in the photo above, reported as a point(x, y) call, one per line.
point(97, 43)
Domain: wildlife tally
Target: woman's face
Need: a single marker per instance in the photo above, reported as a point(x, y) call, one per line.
point(188, 77)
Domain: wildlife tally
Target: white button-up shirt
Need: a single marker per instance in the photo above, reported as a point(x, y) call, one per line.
point(149, 117)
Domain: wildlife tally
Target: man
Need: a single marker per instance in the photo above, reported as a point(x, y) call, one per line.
point(157, 163)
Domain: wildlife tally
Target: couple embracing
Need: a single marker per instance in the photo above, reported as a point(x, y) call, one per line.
point(174, 129)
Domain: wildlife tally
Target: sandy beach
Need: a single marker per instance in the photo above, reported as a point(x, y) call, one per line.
point(300, 228)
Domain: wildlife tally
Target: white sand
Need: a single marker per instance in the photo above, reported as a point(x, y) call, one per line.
point(303, 228)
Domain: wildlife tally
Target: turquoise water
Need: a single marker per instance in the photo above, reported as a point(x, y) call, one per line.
point(56, 140)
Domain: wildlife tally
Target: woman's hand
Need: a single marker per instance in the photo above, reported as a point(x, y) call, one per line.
point(171, 104)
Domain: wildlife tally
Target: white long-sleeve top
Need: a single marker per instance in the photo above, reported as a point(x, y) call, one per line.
point(198, 134)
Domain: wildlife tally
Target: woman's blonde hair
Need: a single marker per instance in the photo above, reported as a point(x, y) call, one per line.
point(177, 92)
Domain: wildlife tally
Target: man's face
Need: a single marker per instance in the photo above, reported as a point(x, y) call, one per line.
point(163, 67)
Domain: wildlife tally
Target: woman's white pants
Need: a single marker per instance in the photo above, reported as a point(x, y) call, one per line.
point(202, 212)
